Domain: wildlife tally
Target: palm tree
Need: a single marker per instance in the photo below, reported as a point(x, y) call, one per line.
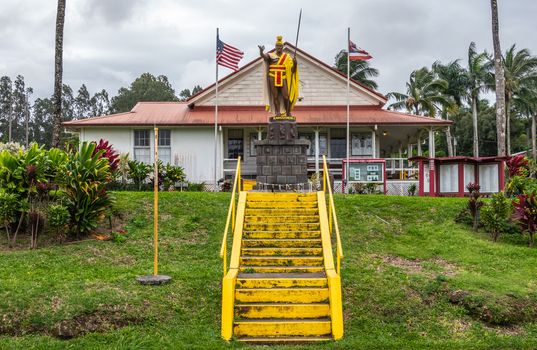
point(477, 78)
point(360, 70)
point(58, 72)
point(525, 103)
point(455, 75)
point(520, 70)
point(500, 81)
point(424, 94)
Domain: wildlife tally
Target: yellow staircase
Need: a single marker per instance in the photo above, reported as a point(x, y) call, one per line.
point(281, 285)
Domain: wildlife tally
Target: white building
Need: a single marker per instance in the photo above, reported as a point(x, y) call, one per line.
point(186, 129)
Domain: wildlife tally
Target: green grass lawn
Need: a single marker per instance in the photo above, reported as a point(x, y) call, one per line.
point(412, 279)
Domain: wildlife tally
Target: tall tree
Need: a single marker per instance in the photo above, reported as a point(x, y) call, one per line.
point(6, 105)
point(520, 70)
point(58, 73)
point(525, 103)
point(500, 80)
point(41, 126)
point(146, 87)
point(478, 76)
point(455, 75)
point(360, 70)
point(424, 94)
point(100, 103)
point(83, 103)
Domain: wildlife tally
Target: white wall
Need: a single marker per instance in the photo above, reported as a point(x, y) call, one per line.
point(119, 137)
point(193, 149)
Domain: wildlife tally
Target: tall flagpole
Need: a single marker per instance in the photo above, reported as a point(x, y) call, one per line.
point(216, 122)
point(347, 172)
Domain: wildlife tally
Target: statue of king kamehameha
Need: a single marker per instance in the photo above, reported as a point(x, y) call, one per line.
point(281, 87)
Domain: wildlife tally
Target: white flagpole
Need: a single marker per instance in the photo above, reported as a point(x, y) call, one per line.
point(347, 172)
point(216, 124)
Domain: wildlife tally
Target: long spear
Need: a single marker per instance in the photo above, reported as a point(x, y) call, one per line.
point(297, 31)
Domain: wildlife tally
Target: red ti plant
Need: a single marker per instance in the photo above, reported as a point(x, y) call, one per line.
point(525, 212)
point(474, 203)
point(109, 152)
point(518, 166)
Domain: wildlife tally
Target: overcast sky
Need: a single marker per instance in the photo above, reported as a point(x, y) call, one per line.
point(108, 43)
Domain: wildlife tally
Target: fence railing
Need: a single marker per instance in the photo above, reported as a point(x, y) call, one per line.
point(231, 214)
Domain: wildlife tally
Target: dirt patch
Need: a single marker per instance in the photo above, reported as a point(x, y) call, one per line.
point(104, 319)
point(419, 266)
point(506, 311)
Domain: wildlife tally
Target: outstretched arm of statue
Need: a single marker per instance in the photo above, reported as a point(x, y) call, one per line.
point(294, 65)
point(262, 52)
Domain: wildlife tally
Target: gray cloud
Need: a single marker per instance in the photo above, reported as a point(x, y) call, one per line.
point(109, 43)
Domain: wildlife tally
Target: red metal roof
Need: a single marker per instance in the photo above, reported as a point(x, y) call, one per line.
point(459, 159)
point(179, 114)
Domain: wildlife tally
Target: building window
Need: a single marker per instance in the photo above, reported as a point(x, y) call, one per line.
point(338, 143)
point(235, 143)
point(164, 146)
point(362, 144)
point(142, 149)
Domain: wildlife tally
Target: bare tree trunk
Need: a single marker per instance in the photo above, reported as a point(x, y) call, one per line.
point(507, 127)
point(474, 123)
point(57, 124)
point(500, 80)
point(449, 141)
point(533, 142)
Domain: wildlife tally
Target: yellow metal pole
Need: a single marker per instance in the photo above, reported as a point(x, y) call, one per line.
point(155, 207)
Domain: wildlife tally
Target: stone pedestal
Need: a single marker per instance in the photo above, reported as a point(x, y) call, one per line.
point(282, 158)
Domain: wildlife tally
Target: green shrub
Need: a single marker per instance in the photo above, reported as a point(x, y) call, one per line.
point(412, 189)
point(85, 182)
point(9, 206)
point(58, 219)
point(139, 172)
point(196, 187)
point(173, 174)
point(495, 215)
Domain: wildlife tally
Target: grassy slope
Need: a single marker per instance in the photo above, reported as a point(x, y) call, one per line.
point(385, 306)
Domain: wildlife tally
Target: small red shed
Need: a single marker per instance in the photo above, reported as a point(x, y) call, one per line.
point(450, 175)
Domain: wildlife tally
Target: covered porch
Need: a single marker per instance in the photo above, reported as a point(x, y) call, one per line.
point(392, 143)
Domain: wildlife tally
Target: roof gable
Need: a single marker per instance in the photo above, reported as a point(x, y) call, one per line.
point(320, 84)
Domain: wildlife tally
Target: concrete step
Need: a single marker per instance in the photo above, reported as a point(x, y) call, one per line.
point(281, 205)
point(275, 226)
point(281, 211)
point(282, 243)
point(274, 251)
point(281, 269)
point(282, 295)
point(282, 327)
point(281, 261)
point(281, 197)
point(271, 234)
point(293, 311)
point(282, 219)
point(281, 280)
point(296, 340)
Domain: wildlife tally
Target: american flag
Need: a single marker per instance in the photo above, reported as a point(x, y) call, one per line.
point(227, 55)
point(356, 53)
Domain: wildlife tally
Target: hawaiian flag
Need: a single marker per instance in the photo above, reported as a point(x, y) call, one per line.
point(227, 55)
point(356, 53)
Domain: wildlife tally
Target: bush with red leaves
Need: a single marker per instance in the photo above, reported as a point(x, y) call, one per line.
point(518, 166)
point(525, 212)
point(109, 152)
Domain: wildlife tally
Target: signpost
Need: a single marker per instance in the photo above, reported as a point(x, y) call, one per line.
point(364, 171)
point(155, 278)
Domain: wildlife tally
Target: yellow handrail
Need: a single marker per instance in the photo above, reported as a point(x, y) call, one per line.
point(332, 217)
point(231, 214)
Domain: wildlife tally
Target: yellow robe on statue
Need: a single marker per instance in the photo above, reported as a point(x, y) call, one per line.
point(281, 67)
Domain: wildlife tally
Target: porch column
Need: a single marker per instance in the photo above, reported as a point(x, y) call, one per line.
point(419, 145)
point(374, 141)
point(432, 177)
point(401, 165)
point(317, 151)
